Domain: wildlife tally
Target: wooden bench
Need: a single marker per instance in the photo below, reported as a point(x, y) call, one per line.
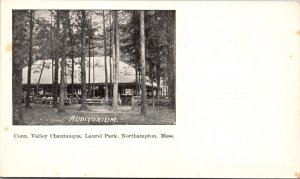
point(136, 101)
point(38, 100)
point(95, 101)
point(101, 101)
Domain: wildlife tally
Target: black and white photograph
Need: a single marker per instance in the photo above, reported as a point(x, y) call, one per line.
point(93, 67)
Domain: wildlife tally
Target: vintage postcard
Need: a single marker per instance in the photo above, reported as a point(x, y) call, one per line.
point(149, 89)
point(85, 67)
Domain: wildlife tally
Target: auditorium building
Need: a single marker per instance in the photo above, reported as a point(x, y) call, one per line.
point(43, 77)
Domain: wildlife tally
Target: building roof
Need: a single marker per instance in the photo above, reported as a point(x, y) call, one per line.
point(126, 72)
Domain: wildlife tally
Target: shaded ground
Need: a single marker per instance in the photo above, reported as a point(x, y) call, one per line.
point(98, 115)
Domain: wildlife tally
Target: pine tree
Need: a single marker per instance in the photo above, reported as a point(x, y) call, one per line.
point(171, 65)
point(18, 58)
point(31, 24)
point(105, 61)
point(143, 68)
point(56, 56)
point(110, 56)
point(83, 106)
point(117, 57)
point(71, 56)
point(63, 64)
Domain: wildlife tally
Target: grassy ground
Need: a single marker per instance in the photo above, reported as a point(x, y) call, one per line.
point(97, 115)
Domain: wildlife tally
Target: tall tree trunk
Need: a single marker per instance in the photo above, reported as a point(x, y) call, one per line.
point(72, 58)
point(31, 22)
point(110, 58)
point(164, 84)
point(83, 106)
point(167, 87)
point(63, 65)
point(38, 83)
point(152, 81)
point(18, 59)
point(17, 87)
point(136, 82)
point(171, 58)
point(93, 72)
point(89, 86)
point(66, 79)
point(143, 66)
point(105, 62)
point(72, 78)
point(57, 44)
point(174, 58)
point(117, 56)
point(52, 51)
point(158, 71)
point(139, 72)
